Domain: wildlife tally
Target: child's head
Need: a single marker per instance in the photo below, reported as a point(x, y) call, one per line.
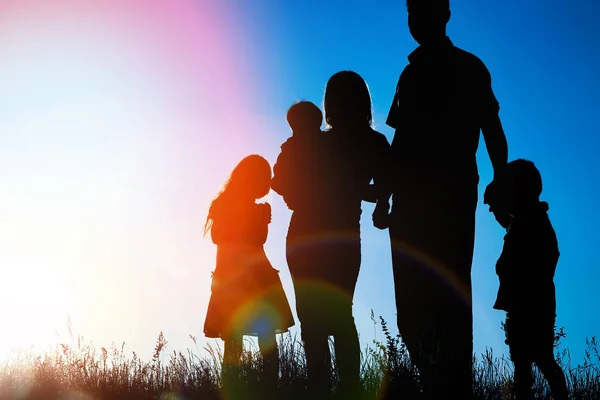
point(249, 181)
point(494, 197)
point(304, 116)
point(517, 187)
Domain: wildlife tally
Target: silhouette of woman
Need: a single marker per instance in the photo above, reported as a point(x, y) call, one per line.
point(323, 243)
point(247, 296)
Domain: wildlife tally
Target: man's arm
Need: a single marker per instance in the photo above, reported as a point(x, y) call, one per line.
point(495, 142)
point(384, 181)
point(491, 127)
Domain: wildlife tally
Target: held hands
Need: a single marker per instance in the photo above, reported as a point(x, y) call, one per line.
point(494, 198)
point(381, 216)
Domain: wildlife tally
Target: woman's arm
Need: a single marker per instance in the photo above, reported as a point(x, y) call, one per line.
point(382, 182)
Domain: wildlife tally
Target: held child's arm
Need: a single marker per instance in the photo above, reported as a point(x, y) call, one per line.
point(281, 170)
point(282, 182)
point(277, 181)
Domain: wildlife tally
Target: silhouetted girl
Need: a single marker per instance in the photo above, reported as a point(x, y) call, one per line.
point(247, 296)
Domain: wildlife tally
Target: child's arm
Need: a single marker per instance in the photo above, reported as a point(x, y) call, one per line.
point(260, 228)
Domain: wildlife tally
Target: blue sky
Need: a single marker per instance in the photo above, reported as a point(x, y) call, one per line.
point(121, 120)
point(543, 58)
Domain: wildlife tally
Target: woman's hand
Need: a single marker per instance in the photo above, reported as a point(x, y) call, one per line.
point(381, 216)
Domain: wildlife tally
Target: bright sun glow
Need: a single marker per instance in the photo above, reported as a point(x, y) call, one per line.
point(81, 141)
point(107, 129)
point(36, 302)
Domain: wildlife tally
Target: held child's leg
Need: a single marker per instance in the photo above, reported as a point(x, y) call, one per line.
point(270, 355)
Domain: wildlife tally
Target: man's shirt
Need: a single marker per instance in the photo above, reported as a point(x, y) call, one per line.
point(442, 99)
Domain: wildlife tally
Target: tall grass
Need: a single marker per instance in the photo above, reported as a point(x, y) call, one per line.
point(83, 372)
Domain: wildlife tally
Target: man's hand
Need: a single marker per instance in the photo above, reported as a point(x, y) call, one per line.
point(381, 216)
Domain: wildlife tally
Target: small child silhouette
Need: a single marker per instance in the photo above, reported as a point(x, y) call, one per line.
point(247, 295)
point(307, 146)
point(305, 120)
point(303, 148)
point(526, 270)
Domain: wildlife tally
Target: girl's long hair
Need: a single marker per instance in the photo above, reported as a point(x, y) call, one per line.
point(347, 101)
point(243, 178)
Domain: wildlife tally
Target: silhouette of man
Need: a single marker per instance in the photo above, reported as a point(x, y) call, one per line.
point(443, 100)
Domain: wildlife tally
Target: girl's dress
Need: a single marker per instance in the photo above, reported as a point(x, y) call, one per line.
point(247, 296)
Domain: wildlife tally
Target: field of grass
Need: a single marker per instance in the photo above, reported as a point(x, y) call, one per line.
point(84, 372)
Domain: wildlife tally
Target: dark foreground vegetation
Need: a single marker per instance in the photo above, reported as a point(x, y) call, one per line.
point(83, 372)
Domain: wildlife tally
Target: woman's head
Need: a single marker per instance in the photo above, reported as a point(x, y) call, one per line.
point(249, 181)
point(347, 101)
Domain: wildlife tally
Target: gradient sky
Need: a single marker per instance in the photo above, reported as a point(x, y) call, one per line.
point(120, 121)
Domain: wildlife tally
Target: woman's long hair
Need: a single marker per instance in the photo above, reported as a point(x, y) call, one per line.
point(251, 176)
point(347, 101)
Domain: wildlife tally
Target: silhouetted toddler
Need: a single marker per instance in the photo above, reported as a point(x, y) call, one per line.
point(305, 120)
point(307, 146)
point(526, 272)
point(303, 148)
point(247, 297)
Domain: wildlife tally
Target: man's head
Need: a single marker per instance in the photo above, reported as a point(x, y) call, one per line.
point(304, 116)
point(427, 20)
